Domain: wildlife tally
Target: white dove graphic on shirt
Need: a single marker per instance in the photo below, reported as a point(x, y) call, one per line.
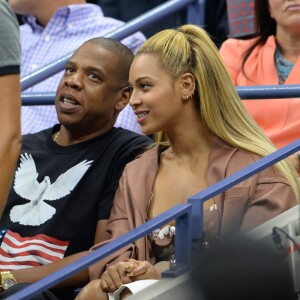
point(26, 185)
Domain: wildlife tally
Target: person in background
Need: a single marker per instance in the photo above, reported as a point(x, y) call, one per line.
point(127, 10)
point(215, 16)
point(10, 99)
point(241, 18)
point(240, 268)
point(216, 20)
point(67, 175)
point(272, 57)
point(51, 30)
point(181, 88)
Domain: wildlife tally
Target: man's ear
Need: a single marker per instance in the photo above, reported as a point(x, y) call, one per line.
point(124, 96)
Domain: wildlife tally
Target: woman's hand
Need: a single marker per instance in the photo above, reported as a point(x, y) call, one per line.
point(114, 276)
point(92, 291)
point(126, 272)
point(138, 270)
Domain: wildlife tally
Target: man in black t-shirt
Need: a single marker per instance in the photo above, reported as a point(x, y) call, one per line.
point(67, 175)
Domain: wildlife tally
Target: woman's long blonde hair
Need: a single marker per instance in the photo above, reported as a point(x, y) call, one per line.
point(190, 49)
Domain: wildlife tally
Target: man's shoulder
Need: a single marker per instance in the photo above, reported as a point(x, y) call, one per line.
point(150, 156)
point(37, 135)
point(35, 140)
point(126, 135)
point(145, 164)
point(125, 145)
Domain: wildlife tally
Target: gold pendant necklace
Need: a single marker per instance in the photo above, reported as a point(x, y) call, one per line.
point(55, 136)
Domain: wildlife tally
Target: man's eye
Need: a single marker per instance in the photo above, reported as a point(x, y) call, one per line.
point(94, 76)
point(69, 70)
point(130, 88)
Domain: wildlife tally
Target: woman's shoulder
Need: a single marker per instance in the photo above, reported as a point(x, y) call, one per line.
point(234, 158)
point(237, 44)
point(240, 46)
point(243, 158)
point(232, 52)
point(146, 159)
point(233, 155)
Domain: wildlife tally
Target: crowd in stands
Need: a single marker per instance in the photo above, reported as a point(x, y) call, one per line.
point(215, 16)
point(87, 170)
point(54, 29)
point(270, 58)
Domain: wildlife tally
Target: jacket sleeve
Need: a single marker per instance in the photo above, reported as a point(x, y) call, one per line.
point(272, 196)
point(255, 200)
point(118, 224)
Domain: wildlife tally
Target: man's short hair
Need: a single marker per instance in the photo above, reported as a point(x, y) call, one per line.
point(124, 55)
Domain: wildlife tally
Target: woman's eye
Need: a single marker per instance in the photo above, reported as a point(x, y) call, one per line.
point(144, 86)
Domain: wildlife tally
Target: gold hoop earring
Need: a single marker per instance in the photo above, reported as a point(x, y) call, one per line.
point(194, 89)
point(185, 98)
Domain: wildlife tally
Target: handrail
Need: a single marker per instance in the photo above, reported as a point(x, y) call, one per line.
point(177, 212)
point(269, 91)
point(45, 98)
point(245, 92)
point(136, 24)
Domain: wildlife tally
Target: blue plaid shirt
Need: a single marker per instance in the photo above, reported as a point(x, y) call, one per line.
point(241, 17)
point(68, 28)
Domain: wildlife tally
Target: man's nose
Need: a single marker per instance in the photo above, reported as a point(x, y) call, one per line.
point(75, 81)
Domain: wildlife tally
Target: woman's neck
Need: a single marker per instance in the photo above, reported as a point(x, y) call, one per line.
point(289, 45)
point(189, 146)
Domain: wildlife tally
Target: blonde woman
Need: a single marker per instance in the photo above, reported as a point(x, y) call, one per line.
point(182, 91)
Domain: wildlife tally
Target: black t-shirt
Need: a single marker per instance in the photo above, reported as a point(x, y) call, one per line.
point(59, 193)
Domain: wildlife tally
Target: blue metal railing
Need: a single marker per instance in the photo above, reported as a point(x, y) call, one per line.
point(139, 23)
point(269, 91)
point(186, 228)
point(245, 92)
point(181, 213)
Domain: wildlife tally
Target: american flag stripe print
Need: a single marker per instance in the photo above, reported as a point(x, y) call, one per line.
point(17, 252)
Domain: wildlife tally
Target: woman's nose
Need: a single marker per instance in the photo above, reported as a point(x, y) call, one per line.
point(134, 99)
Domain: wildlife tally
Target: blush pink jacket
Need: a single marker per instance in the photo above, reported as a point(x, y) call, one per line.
point(241, 208)
point(279, 118)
